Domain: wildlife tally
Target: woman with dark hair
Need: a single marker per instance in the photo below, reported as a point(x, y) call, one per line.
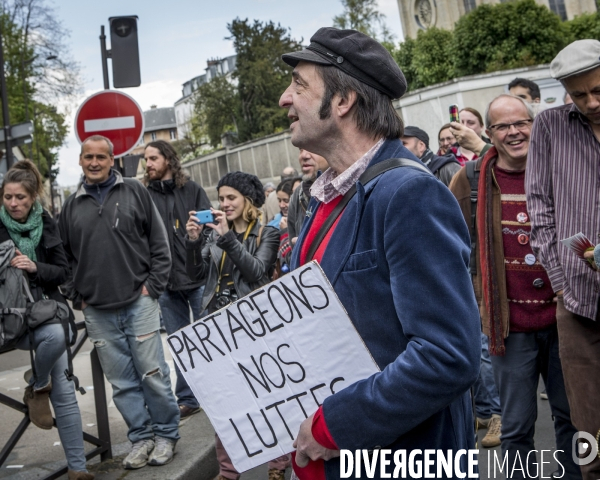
point(235, 258)
point(445, 139)
point(284, 193)
point(40, 255)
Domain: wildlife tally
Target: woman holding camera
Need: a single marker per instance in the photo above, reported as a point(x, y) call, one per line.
point(40, 255)
point(235, 258)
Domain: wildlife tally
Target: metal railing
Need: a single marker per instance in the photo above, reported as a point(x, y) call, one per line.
point(102, 442)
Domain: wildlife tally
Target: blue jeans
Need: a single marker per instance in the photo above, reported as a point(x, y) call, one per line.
point(51, 363)
point(175, 307)
point(517, 375)
point(487, 400)
point(130, 350)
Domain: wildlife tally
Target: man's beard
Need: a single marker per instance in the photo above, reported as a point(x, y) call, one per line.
point(156, 174)
point(309, 176)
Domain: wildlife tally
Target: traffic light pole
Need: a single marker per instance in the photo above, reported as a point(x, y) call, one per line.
point(5, 118)
point(105, 55)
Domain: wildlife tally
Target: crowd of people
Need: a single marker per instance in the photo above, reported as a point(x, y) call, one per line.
point(448, 264)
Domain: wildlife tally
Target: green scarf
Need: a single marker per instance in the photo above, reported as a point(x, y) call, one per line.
point(33, 225)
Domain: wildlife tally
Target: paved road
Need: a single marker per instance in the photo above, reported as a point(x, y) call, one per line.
point(38, 447)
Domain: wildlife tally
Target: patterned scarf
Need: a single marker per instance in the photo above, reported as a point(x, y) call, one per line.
point(33, 226)
point(485, 239)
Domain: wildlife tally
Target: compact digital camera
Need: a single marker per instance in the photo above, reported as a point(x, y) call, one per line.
point(225, 297)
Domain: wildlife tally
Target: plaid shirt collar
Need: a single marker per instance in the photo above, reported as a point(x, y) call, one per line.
point(330, 185)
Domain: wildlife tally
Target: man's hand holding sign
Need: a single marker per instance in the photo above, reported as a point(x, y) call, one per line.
point(263, 365)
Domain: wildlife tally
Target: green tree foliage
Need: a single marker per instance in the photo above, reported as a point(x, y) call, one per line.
point(584, 26)
point(404, 55)
point(261, 76)
point(427, 59)
point(21, 73)
point(217, 105)
point(506, 35)
point(496, 37)
point(364, 16)
point(432, 56)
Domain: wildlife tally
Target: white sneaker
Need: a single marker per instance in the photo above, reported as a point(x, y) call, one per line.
point(138, 457)
point(163, 451)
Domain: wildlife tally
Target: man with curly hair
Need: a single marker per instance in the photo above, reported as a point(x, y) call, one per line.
point(175, 195)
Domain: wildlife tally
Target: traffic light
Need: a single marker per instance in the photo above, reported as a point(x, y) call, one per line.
point(124, 51)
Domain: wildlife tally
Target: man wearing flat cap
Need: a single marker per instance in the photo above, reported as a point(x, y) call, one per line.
point(563, 196)
point(417, 142)
point(372, 221)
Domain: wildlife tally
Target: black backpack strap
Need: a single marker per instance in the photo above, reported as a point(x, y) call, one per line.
point(368, 175)
point(65, 324)
point(69, 371)
point(473, 177)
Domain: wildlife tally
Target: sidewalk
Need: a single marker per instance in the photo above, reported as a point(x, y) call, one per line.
point(39, 452)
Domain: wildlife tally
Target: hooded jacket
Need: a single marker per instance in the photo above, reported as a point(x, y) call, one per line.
point(443, 167)
point(174, 204)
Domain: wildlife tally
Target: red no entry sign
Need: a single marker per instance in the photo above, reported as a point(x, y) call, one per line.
point(114, 115)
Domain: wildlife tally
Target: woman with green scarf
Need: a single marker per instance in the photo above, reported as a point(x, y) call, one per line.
point(41, 257)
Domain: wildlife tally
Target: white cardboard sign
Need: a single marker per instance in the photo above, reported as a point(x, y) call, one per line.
point(262, 365)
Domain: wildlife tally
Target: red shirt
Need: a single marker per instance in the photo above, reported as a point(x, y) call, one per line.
point(316, 470)
point(321, 215)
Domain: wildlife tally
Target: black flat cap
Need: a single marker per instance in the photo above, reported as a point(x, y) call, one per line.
point(356, 54)
point(416, 132)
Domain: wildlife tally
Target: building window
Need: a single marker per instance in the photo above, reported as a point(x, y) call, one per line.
point(153, 136)
point(558, 7)
point(173, 134)
point(469, 5)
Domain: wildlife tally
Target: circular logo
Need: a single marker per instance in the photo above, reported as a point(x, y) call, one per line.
point(585, 448)
point(523, 239)
point(522, 217)
point(530, 259)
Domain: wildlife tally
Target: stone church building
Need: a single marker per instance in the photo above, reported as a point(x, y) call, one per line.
point(422, 14)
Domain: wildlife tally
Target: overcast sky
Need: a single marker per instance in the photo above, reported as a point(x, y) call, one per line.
point(176, 38)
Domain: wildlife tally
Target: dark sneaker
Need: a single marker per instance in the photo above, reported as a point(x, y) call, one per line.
point(185, 411)
point(482, 423)
point(138, 457)
point(163, 451)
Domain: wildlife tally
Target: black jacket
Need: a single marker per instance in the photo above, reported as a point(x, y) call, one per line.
point(116, 248)
point(252, 265)
point(443, 167)
point(297, 208)
point(52, 265)
point(174, 205)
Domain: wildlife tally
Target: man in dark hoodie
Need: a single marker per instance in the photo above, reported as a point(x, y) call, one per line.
point(417, 141)
point(119, 258)
point(175, 195)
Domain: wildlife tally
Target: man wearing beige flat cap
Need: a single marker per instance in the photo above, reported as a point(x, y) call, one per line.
point(562, 183)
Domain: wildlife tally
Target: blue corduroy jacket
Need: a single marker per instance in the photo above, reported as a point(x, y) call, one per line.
point(398, 260)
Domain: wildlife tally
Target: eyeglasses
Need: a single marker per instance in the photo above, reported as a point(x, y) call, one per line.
point(505, 127)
